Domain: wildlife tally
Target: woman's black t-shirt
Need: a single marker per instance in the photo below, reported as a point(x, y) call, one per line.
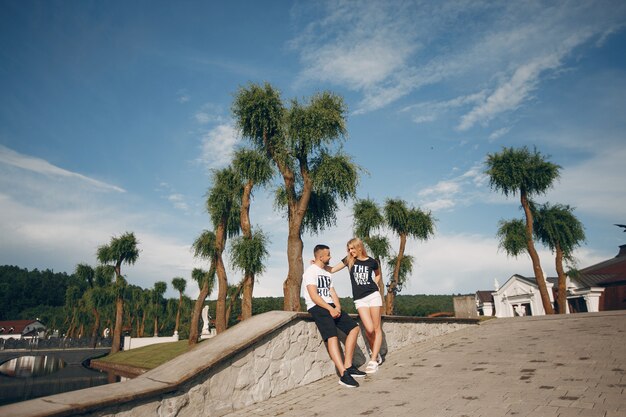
point(362, 276)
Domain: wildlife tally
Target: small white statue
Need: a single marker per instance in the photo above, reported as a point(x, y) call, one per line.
point(205, 320)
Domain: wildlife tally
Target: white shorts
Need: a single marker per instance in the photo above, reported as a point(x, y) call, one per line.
point(372, 300)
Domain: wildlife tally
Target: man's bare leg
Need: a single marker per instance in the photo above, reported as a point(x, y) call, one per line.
point(332, 344)
point(350, 346)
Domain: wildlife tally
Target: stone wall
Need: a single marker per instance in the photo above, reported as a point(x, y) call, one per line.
point(255, 360)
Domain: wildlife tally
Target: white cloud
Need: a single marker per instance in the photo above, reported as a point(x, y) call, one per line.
point(218, 145)
point(179, 201)
point(596, 185)
point(183, 96)
point(510, 94)
point(43, 167)
point(499, 133)
point(47, 224)
point(209, 113)
point(463, 189)
point(387, 50)
point(432, 110)
point(465, 263)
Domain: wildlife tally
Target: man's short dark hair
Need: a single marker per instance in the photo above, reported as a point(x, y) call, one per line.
point(319, 248)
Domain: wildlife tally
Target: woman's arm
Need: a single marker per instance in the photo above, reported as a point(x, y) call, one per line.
point(333, 269)
point(336, 268)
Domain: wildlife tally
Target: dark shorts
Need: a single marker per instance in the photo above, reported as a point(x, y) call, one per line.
point(327, 325)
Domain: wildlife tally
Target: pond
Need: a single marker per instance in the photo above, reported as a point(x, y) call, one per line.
point(33, 376)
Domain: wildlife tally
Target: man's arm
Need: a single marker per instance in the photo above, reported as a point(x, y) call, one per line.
point(312, 289)
point(335, 298)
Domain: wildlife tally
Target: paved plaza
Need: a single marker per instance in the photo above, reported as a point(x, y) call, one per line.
point(572, 365)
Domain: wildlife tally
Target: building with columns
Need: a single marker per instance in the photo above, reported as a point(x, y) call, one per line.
point(598, 287)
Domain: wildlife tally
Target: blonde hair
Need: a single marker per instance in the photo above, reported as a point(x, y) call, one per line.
point(360, 249)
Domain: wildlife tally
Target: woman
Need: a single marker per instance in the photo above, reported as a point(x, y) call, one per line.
point(365, 277)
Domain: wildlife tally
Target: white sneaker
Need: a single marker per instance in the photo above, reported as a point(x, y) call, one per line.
point(371, 368)
point(379, 359)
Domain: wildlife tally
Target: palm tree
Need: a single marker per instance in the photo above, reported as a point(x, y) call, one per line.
point(86, 273)
point(367, 218)
point(97, 295)
point(406, 223)
point(513, 171)
point(557, 228)
point(234, 294)
point(248, 254)
point(512, 236)
point(223, 206)
point(297, 141)
point(157, 299)
point(179, 285)
point(253, 169)
point(406, 268)
point(206, 282)
point(120, 250)
point(72, 295)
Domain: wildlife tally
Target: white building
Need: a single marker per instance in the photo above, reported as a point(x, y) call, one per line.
point(520, 296)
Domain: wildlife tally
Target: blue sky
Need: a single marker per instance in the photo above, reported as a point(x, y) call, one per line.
point(112, 115)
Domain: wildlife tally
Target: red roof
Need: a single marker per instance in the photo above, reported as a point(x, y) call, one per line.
point(14, 326)
point(612, 270)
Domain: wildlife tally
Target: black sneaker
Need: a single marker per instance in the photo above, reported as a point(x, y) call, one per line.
point(347, 381)
point(355, 372)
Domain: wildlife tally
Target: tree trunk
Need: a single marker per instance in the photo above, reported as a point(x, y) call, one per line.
point(222, 290)
point(562, 295)
point(390, 302)
point(381, 287)
point(297, 210)
point(96, 327)
point(142, 327)
point(246, 230)
point(291, 286)
point(156, 325)
point(233, 299)
point(117, 330)
point(180, 302)
point(246, 300)
point(541, 282)
point(197, 311)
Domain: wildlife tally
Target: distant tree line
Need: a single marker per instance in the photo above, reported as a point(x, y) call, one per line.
point(44, 295)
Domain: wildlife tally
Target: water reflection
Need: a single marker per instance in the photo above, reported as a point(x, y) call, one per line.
point(31, 366)
point(30, 377)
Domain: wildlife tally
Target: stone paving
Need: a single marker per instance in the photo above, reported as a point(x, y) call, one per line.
point(572, 365)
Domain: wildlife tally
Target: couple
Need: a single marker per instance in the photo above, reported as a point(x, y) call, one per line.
point(323, 304)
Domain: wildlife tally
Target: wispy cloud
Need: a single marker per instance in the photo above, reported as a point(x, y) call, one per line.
point(462, 189)
point(499, 133)
point(432, 110)
point(50, 224)
point(596, 185)
point(217, 146)
point(510, 94)
point(179, 201)
point(209, 113)
point(183, 96)
point(387, 50)
point(43, 167)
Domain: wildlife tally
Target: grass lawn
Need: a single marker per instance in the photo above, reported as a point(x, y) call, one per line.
point(148, 357)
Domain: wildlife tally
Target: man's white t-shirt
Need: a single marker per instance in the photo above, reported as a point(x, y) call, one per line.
point(314, 275)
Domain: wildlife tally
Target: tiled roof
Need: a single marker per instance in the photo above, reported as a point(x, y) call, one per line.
point(615, 265)
point(484, 296)
point(14, 326)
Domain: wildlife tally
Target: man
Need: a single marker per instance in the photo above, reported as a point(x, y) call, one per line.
point(323, 304)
